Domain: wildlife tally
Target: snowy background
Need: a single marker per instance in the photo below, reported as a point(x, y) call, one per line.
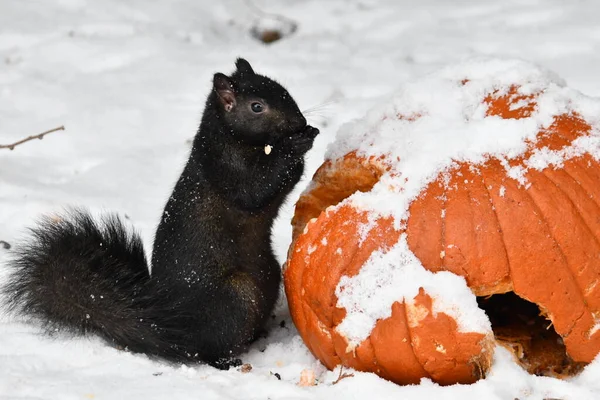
point(128, 79)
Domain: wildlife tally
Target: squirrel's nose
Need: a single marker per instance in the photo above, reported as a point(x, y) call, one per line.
point(298, 122)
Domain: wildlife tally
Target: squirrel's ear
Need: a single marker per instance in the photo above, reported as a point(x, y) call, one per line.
point(244, 66)
point(224, 89)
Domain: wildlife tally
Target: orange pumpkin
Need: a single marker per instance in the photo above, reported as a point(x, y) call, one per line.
point(522, 228)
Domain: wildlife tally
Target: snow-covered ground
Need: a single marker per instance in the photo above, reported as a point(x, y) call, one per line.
point(128, 80)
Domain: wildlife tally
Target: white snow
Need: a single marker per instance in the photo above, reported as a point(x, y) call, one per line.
point(128, 80)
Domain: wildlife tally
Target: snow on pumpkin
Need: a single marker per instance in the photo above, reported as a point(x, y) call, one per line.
point(463, 212)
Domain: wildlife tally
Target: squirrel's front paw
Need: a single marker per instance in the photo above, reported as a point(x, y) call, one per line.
point(310, 132)
point(303, 141)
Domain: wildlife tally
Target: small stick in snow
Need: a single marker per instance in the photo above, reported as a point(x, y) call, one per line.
point(27, 139)
point(342, 376)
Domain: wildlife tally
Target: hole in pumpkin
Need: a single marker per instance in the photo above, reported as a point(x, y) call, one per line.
point(520, 326)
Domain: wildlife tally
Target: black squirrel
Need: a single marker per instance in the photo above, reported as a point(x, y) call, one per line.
point(214, 279)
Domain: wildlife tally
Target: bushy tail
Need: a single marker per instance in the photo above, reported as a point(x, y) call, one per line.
point(83, 276)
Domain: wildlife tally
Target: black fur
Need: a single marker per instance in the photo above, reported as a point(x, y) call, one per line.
point(214, 277)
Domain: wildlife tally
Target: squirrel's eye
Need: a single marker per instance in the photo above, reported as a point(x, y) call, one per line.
point(257, 107)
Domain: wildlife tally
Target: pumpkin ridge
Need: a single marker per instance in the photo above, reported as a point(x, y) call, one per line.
point(575, 206)
point(331, 299)
point(448, 202)
point(566, 168)
point(443, 226)
point(501, 230)
point(409, 333)
point(420, 220)
point(331, 302)
point(305, 306)
point(303, 298)
point(311, 275)
point(479, 180)
point(375, 359)
point(468, 175)
point(315, 314)
point(472, 231)
point(547, 225)
point(562, 253)
point(312, 312)
point(381, 351)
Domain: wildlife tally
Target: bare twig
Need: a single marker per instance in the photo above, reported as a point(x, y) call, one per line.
point(38, 136)
point(342, 376)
